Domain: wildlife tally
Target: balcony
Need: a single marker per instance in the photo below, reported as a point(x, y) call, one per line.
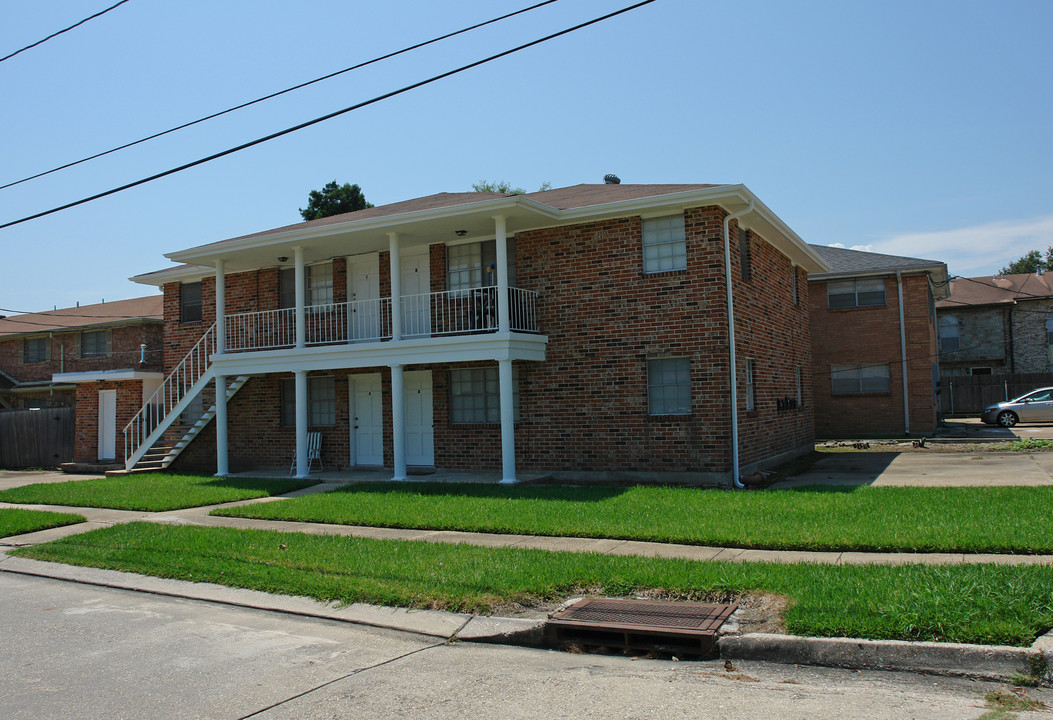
point(450, 326)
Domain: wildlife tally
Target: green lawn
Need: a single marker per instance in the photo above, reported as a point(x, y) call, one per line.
point(990, 604)
point(150, 492)
point(893, 519)
point(18, 522)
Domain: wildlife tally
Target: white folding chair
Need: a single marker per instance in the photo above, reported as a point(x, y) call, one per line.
point(314, 452)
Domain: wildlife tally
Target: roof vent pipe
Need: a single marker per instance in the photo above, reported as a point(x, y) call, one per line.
point(611, 179)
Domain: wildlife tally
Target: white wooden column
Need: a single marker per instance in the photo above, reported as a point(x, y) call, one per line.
point(301, 312)
point(395, 270)
point(503, 322)
point(222, 467)
point(221, 307)
point(302, 462)
point(398, 422)
point(508, 427)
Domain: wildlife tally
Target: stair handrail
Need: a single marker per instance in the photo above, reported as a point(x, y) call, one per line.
point(172, 389)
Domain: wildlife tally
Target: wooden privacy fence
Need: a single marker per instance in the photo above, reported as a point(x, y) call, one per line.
point(969, 394)
point(36, 438)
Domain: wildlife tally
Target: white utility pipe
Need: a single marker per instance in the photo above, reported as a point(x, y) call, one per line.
point(731, 347)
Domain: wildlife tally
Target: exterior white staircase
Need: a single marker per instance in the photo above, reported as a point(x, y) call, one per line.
point(160, 431)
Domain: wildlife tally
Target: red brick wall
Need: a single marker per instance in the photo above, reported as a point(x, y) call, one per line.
point(64, 353)
point(86, 433)
point(871, 335)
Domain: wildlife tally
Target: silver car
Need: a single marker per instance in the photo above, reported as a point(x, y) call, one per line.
point(1035, 406)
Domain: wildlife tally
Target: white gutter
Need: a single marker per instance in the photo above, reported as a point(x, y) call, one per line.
point(903, 354)
point(731, 347)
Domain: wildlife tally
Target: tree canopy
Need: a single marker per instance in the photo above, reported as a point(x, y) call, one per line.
point(505, 187)
point(1033, 261)
point(334, 199)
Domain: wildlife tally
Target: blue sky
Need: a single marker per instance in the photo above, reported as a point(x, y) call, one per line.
point(914, 128)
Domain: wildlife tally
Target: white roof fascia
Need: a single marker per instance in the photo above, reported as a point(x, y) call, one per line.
point(101, 375)
point(159, 278)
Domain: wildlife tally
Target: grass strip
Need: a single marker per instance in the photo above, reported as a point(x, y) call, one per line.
point(879, 519)
point(18, 522)
point(988, 604)
point(150, 492)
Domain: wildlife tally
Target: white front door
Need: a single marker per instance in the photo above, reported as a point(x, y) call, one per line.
point(363, 291)
point(420, 438)
point(367, 420)
point(416, 293)
point(107, 424)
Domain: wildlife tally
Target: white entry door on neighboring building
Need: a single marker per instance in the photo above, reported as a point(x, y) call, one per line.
point(363, 290)
point(367, 419)
point(420, 437)
point(107, 424)
point(416, 289)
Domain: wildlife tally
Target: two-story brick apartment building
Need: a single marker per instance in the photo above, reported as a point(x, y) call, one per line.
point(581, 332)
point(90, 357)
point(874, 343)
point(997, 325)
point(35, 347)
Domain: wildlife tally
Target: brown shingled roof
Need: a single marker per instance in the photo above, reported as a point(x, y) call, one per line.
point(584, 195)
point(998, 289)
point(111, 313)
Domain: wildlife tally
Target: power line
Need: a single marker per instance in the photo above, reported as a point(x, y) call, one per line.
point(331, 115)
point(276, 94)
point(55, 34)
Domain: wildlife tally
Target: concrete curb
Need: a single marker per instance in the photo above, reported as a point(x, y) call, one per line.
point(993, 662)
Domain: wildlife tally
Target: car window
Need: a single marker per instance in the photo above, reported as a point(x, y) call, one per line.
point(1038, 396)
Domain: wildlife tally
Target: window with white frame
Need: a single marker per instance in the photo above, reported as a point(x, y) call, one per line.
point(949, 333)
point(857, 379)
point(321, 402)
point(664, 244)
point(319, 284)
point(475, 395)
point(95, 344)
point(861, 292)
point(751, 388)
point(669, 386)
point(35, 350)
point(474, 265)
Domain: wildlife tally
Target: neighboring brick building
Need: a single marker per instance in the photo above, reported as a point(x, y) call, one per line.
point(997, 325)
point(605, 358)
point(67, 357)
point(862, 341)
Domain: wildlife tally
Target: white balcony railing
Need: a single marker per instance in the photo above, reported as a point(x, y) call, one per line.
point(453, 312)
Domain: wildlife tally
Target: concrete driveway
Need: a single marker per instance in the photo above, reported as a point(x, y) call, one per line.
point(923, 469)
point(17, 478)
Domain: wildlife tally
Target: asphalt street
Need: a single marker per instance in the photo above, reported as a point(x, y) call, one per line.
point(80, 651)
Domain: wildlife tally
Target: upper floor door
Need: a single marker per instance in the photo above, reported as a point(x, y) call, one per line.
point(416, 293)
point(363, 292)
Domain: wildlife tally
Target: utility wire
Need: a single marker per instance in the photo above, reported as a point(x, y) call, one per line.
point(276, 94)
point(331, 115)
point(55, 34)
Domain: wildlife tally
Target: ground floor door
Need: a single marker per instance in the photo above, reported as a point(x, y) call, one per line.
point(420, 437)
point(367, 420)
point(107, 424)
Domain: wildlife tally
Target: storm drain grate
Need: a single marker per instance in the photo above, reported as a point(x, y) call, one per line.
point(640, 624)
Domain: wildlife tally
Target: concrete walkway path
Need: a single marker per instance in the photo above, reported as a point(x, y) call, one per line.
point(97, 518)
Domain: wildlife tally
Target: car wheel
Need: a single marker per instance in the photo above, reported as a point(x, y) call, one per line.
point(1007, 419)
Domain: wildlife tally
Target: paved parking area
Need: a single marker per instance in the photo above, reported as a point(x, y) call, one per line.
point(17, 478)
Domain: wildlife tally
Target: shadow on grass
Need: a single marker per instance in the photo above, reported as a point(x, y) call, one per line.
point(576, 493)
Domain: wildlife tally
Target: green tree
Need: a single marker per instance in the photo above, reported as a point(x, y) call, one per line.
point(334, 199)
point(505, 187)
point(1031, 262)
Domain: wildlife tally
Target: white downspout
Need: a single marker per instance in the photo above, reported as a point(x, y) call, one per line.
point(731, 347)
point(903, 355)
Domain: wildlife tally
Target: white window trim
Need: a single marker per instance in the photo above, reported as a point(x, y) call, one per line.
point(486, 398)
